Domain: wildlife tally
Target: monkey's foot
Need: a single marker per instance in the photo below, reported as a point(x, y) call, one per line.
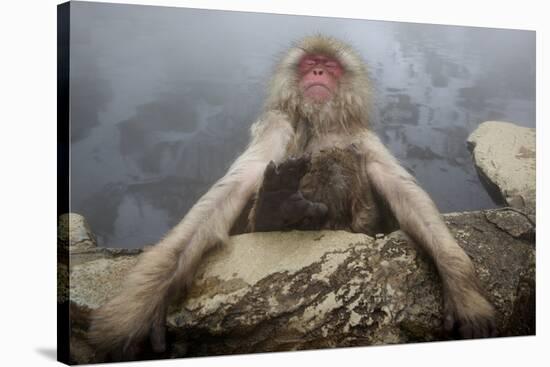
point(280, 204)
point(469, 315)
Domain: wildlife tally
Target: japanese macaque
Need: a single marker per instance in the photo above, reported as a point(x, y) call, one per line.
point(317, 105)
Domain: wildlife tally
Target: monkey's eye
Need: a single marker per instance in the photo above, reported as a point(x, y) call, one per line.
point(309, 62)
point(331, 64)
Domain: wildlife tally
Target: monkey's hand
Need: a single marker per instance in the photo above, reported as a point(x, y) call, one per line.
point(287, 175)
point(467, 314)
point(112, 329)
point(280, 204)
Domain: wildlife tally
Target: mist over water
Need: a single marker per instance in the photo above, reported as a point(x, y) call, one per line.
point(162, 99)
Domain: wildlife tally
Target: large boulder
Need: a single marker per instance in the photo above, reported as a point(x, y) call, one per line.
point(505, 157)
point(303, 290)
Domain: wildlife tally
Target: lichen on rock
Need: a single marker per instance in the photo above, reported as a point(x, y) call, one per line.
point(306, 290)
point(505, 157)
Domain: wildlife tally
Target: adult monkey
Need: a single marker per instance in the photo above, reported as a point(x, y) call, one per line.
point(318, 99)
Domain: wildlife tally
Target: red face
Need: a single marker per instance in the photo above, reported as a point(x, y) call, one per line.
point(319, 77)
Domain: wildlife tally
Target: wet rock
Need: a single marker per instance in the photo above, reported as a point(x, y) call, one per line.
point(505, 156)
point(75, 232)
point(306, 290)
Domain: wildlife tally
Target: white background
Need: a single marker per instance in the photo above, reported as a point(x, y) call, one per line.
point(28, 183)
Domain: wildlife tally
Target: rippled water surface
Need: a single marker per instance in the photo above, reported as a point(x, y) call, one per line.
point(162, 99)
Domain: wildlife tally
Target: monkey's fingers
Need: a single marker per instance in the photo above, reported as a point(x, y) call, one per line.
point(470, 326)
point(295, 167)
point(270, 170)
point(317, 210)
point(272, 179)
point(294, 208)
point(299, 163)
point(484, 328)
point(158, 335)
point(285, 176)
point(305, 214)
point(303, 163)
point(449, 322)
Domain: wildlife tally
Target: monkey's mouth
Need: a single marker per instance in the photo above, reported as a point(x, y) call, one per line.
point(317, 92)
point(309, 86)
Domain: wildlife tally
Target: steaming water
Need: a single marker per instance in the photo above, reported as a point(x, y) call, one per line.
point(162, 99)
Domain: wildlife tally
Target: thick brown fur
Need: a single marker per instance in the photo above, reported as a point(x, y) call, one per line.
point(292, 126)
point(328, 190)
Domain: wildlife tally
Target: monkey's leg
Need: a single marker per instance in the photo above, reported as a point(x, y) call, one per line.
point(138, 313)
point(280, 204)
point(465, 307)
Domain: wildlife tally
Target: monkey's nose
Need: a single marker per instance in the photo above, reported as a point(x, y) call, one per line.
point(317, 71)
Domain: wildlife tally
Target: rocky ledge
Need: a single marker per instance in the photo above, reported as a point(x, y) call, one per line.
point(304, 290)
point(505, 157)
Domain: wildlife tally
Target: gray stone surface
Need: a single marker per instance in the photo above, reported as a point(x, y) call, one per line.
point(505, 156)
point(305, 290)
point(75, 232)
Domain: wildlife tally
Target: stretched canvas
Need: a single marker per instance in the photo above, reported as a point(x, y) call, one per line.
point(156, 103)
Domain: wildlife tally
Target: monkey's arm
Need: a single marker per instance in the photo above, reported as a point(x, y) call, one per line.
point(139, 310)
point(465, 307)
